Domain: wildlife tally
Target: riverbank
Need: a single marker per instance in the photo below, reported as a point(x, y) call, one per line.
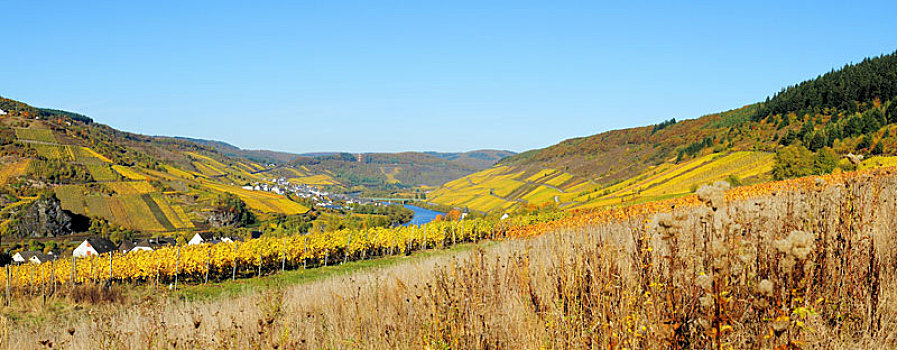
point(421, 215)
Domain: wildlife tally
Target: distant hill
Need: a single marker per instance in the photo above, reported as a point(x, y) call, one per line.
point(117, 181)
point(260, 156)
point(385, 170)
point(379, 171)
point(850, 110)
point(478, 159)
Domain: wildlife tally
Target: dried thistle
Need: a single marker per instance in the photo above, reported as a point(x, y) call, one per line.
point(765, 287)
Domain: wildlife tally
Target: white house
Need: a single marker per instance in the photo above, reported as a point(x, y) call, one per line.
point(22, 257)
point(94, 246)
point(207, 237)
point(152, 244)
point(32, 257)
point(201, 237)
point(41, 258)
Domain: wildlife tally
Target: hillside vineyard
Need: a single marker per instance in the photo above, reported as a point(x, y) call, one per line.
point(790, 263)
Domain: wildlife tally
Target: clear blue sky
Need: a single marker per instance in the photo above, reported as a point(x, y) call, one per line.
point(305, 76)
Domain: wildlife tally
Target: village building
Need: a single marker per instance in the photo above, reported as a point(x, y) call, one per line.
point(41, 258)
point(125, 246)
point(33, 257)
point(93, 247)
point(22, 257)
point(151, 244)
point(208, 237)
point(201, 238)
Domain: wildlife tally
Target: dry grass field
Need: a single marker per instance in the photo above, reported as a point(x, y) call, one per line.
point(813, 267)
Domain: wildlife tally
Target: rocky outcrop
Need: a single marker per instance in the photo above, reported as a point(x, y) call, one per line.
point(42, 218)
point(221, 218)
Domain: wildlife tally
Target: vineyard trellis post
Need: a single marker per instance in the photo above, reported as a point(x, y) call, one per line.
point(234, 262)
point(43, 281)
point(74, 273)
point(392, 244)
point(364, 251)
point(346, 251)
point(110, 268)
point(158, 271)
point(53, 275)
point(92, 275)
point(410, 244)
point(208, 265)
point(305, 255)
point(8, 276)
point(177, 267)
point(326, 255)
point(425, 236)
point(260, 265)
point(283, 257)
point(453, 233)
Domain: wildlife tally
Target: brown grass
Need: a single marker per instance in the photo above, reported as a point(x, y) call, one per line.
point(811, 269)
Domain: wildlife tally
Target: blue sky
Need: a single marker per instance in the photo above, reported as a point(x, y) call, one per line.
point(362, 76)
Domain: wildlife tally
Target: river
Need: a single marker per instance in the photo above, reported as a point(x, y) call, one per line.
point(421, 215)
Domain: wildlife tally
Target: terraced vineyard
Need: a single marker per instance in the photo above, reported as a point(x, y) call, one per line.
point(502, 188)
point(36, 135)
point(102, 172)
point(50, 151)
point(10, 171)
point(129, 173)
point(301, 176)
point(262, 201)
point(135, 205)
point(131, 187)
point(86, 156)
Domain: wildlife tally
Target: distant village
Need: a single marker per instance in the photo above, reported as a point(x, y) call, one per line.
point(320, 198)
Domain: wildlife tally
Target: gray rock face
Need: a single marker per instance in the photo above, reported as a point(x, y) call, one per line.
point(223, 219)
point(42, 218)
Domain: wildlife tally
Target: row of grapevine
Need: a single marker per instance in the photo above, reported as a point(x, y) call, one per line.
point(199, 263)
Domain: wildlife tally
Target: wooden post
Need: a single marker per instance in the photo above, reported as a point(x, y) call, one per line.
point(53, 275)
point(92, 275)
point(43, 284)
point(453, 233)
point(74, 270)
point(410, 241)
point(260, 265)
point(8, 277)
point(425, 236)
point(234, 263)
point(462, 228)
point(158, 271)
point(346, 251)
point(177, 267)
point(392, 244)
point(208, 264)
point(367, 240)
point(110, 268)
point(305, 256)
point(283, 258)
point(326, 255)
